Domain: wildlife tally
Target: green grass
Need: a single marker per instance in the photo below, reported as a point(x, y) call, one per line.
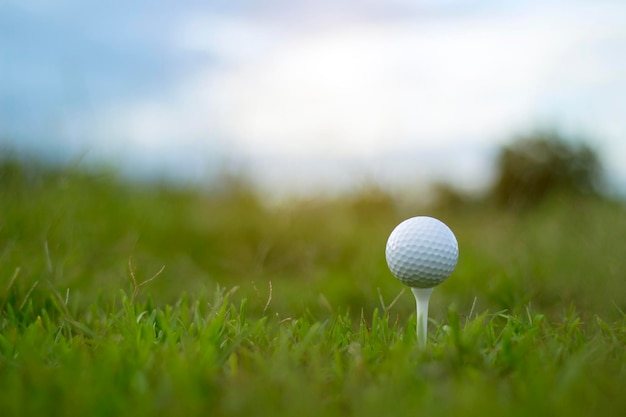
point(288, 309)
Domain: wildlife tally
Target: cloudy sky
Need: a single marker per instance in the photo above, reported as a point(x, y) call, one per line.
point(310, 93)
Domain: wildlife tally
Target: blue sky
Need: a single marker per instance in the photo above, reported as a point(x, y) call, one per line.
point(310, 93)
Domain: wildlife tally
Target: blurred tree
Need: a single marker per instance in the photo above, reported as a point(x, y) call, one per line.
point(447, 196)
point(543, 163)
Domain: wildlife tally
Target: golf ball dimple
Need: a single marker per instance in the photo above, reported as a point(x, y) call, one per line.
point(422, 252)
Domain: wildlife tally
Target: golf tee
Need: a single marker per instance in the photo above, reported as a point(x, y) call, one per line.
point(422, 296)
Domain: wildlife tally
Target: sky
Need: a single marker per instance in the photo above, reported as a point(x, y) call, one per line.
point(310, 95)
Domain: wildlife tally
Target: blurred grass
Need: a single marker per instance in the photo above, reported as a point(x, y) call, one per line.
point(77, 230)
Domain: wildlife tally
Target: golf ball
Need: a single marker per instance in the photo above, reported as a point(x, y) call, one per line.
point(422, 252)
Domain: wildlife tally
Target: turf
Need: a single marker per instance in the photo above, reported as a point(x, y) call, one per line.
point(266, 308)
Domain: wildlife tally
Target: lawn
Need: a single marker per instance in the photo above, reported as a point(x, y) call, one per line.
point(121, 298)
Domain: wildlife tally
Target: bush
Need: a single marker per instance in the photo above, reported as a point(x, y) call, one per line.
point(541, 164)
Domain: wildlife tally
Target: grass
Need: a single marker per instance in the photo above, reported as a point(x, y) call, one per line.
point(289, 309)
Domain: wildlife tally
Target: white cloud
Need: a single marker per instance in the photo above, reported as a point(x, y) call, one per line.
point(361, 89)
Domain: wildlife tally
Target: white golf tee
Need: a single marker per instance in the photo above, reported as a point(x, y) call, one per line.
point(422, 296)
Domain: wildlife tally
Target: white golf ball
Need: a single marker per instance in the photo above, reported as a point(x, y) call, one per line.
point(422, 252)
